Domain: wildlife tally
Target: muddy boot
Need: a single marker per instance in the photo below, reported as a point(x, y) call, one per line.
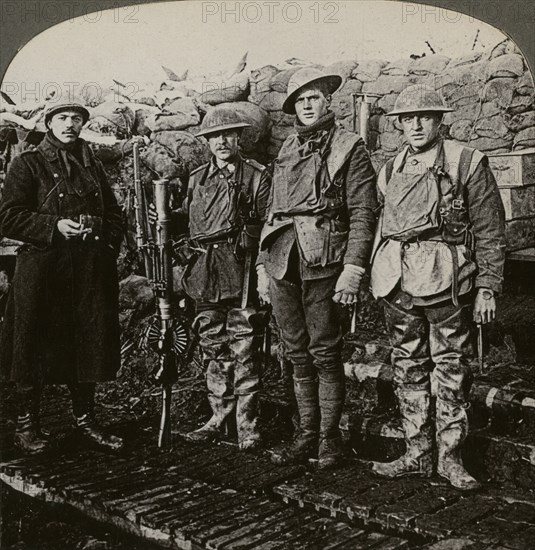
point(245, 328)
point(414, 406)
point(220, 396)
point(87, 427)
point(249, 437)
point(331, 400)
point(28, 436)
point(221, 407)
point(305, 444)
point(83, 408)
point(452, 429)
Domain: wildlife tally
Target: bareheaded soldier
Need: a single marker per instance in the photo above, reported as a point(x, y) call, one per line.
point(225, 207)
point(315, 247)
point(437, 265)
point(62, 320)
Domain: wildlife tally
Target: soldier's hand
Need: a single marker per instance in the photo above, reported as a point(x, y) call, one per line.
point(347, 287)
point(262, 285)
point(484, 306)
point(70, 229)
point(152, 213)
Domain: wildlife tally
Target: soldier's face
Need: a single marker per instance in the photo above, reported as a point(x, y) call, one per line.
point(66, 125)
point(311, 105)
point(224, 144)
point(420, 129)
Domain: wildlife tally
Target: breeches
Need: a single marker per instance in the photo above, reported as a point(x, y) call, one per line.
point(310, 322)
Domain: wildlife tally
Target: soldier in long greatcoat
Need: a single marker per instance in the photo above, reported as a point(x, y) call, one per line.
point(61, 324)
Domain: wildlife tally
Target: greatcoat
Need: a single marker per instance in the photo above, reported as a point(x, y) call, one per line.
point(61, 323)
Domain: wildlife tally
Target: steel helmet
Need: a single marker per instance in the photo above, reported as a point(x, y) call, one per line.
point(65, 103)
point(305, 77)
point(221, 118)
point(419, 98)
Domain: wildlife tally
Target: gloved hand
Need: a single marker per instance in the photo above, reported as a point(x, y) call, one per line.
point(262, 285)
point(347, 287)
point(484, 306)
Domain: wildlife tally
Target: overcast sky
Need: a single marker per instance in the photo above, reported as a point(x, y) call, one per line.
point(130, 44)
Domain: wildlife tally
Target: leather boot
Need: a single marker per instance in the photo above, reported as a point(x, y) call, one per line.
point(221, 407)
point(88, 428)
point(28, 436)
point(331, 400)
point(414, 406)
point(83, 407)
point(305, 444)
point(249, 437)
point(452, 429)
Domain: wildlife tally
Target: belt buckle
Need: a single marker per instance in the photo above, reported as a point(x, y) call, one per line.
point(457, 204)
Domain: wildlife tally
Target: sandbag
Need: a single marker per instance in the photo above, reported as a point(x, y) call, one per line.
point(186, 151)
point(279, 81)
point(492, 127)
point(178, 115)
point(524, 139)
point(521, 104)
point(500, 90)
point(386, 103)
point(112, 118)
point(342, 68)
point(524, 85)
point(368, 70)
point(220, 90)
point(492, 144)
point(430, 64)
point(461, 130)
point(389, 84)
point(259, 83)
point(506, 65)
point(399, 67)
point(158, 158)
point(506, 46)
point(467, 59)
point(519, 122)
point(342, 99)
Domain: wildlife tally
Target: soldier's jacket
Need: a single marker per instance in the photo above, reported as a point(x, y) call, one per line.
point(324, 201)
point(219, 203)
point(422, 263)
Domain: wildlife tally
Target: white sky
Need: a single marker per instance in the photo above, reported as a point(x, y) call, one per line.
point(130, 44)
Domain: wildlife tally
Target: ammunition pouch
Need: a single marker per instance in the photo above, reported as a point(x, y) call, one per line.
point(455, 224)
point(249, 237)
point(183, 252)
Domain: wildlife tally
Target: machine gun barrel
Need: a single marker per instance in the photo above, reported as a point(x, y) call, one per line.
point(140, 209)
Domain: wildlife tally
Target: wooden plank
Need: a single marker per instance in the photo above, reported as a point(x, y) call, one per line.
point(363, 505)
point(271, 526)
point(402, 514)
point(232, 506)
point(254, 511)
point(449, 520)
point(248, 533)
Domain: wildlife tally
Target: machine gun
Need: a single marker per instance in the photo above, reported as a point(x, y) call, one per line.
point(166, 333)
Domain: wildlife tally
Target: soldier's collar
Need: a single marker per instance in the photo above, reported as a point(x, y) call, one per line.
point(231, 167)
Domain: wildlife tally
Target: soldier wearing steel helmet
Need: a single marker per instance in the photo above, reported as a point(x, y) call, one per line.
point(315, 247)
point(224, 208)
point(437, 264)
point(61, 324)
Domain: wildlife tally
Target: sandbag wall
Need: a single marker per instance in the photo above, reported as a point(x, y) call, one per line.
point(492, 93)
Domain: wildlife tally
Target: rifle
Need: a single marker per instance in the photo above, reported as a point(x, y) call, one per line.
point(165, 333)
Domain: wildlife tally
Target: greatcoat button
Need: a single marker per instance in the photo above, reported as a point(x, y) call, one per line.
point(61, 195)
point(96, 237)
point(216, 245)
